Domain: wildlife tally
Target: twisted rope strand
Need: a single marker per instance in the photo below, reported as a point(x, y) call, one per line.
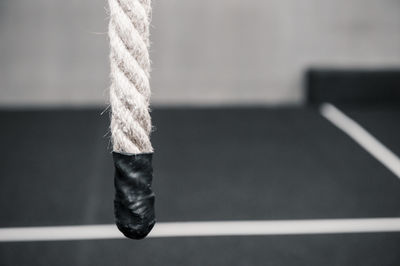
point(130, 71)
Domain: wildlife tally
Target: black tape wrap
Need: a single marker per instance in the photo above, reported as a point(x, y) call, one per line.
point(134, 198)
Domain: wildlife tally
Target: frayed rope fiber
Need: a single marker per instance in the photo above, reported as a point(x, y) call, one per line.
point(130, 118)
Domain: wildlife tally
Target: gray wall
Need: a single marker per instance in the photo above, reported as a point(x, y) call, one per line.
point(204, 52)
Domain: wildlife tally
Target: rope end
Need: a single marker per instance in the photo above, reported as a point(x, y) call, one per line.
point(134, 198)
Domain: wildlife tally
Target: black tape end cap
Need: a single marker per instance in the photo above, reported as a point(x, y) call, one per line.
point(135, 232)
point(134, 198)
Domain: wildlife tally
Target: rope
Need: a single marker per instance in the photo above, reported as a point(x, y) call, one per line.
point(130, 71)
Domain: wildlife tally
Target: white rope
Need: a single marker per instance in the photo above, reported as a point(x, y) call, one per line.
point(130, 71)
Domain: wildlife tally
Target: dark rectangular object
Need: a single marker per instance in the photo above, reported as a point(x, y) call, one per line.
point(353, 86)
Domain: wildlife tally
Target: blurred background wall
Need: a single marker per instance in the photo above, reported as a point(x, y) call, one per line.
point(55, 52)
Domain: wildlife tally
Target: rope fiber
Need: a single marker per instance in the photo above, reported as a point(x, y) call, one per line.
point(130, 71)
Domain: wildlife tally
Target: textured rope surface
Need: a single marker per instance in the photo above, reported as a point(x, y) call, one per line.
point(130, 71)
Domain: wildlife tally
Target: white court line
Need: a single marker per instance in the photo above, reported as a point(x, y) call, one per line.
point(218, 228)
point(362, 137)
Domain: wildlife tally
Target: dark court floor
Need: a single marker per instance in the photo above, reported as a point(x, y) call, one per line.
point(214, 164)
